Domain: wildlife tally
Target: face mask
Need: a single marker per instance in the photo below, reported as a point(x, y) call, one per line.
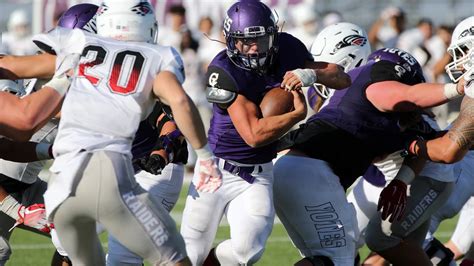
point(469, 86)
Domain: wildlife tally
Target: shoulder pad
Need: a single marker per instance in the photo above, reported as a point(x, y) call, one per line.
point(221, 87)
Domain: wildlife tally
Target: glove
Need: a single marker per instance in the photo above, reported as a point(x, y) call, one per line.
point(33, 216)
point(210, 177)
point(153, 164)
point(393, 200)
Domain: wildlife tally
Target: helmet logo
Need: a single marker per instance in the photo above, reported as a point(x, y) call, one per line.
point(213, 79)
point(351, 40)
point(142, 8)
point(227, 23)
point(400, 70)
point(469, 31)
point(102, 9)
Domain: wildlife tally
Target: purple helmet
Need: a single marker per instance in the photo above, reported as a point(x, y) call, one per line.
point(80, 16)
point(251, 21)
point(405, 60)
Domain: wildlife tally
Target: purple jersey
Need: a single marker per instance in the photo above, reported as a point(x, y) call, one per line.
point(350, 110)
point(349, 133)
point(224, 139)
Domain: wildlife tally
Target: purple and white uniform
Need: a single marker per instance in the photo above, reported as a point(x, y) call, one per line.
point(246, 194)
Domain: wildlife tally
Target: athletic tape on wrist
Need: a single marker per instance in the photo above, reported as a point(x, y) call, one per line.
point(450, 91)
point(307, 76)
point(59, 83)
point(204, 153)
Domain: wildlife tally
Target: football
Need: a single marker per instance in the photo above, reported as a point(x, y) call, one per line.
point(276, 101)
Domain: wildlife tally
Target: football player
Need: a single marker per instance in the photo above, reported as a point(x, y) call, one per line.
point(357, 119)
point(258, 58)
point(163, 157)
point(453, 145)
point(101, 138)
point(344, 44)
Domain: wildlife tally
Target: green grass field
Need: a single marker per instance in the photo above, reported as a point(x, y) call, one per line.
point(31, 249)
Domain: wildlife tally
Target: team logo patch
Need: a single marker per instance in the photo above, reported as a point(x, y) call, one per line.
point(213, 79)
point(351, 40)
point(142, 8)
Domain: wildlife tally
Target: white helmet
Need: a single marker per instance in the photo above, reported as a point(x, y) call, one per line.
point(461, 49)
point(345, 44)
point(127, 20)
point(12, 86)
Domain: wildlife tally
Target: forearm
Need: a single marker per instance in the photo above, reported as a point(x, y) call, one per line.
point(18, 151)
point(393, 96)
point(331, 75)
point(23, 67)
point(26, 115)
point(189, 121)
point(270, 129)
point(425, 95)
point(442, 150)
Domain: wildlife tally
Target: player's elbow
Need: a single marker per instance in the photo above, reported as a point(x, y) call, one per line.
point(255, 140)
point(251, 139)
point(180, 100)
point(449, 156)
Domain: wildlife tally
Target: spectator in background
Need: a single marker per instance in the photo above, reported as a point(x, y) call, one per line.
point(437, 46)
point(210, 45)
point(414, 38)
point(171, 34)
point(194, 85)
point(434, 71)
point(305, 24)
point(331, 17)
point(386, 29)
point(17, 40)
point(205, 26)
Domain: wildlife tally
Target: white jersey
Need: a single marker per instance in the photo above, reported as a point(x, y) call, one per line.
point(108, 98)
point(28, 172)
point(112, 92)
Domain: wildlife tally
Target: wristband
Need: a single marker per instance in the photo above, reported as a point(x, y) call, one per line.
point(204, 153)
point(405, 174)
point(307, 76)
point(43, 151)
point(450, 91)
point(59, 83)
